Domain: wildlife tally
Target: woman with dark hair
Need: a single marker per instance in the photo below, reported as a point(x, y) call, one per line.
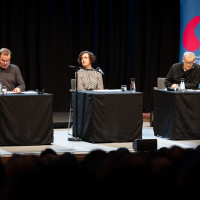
point(88, 77)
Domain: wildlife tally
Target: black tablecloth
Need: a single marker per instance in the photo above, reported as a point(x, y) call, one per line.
point(26, 119)
point(177, 114)
point(108, 116)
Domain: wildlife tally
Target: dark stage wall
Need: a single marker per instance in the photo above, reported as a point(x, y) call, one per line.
point(130, 38)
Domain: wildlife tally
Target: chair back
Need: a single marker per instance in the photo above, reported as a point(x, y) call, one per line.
point(73, 84)
point(160, 83)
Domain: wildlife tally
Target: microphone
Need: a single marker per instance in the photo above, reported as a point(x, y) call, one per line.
point(42, 91)
point(98, 69)
point(75, 67)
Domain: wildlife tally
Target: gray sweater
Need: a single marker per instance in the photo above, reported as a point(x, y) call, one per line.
point(12, 78)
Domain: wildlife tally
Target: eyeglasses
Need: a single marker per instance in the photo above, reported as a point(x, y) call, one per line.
point(5, 61)
point(189, 63)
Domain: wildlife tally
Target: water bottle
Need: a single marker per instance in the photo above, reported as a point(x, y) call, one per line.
point(132, 85)
point(182, 85)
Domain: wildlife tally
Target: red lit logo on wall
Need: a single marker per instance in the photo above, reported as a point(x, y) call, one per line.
point(190, 40)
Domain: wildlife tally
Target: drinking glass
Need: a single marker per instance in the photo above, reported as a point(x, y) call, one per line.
point(4, 90)
point(123, 88)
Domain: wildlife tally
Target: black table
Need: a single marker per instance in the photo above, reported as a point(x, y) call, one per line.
point(111, 116)
point(177, 114)
point(26, 119)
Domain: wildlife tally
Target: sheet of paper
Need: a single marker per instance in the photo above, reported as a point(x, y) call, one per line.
point(25, 92)
point(116, 90)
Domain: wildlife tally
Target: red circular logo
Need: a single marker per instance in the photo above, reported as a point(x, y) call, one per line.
point(190, 41)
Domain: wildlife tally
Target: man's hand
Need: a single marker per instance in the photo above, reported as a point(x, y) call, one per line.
point(174, 86)
point(17, 90)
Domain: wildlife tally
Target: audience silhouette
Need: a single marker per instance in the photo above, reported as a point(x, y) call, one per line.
point(168, 171)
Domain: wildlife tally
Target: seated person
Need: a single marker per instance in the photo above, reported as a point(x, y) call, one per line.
point(10, 74)
point(187, 69)
point(88, 77)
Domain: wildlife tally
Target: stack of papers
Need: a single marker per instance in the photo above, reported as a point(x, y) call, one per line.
point(25, 92)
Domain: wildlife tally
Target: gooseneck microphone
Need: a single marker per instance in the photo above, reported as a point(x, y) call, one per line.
point(98, 69)
point(74, 67)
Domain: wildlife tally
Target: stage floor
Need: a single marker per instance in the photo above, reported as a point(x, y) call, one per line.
point(61, 144)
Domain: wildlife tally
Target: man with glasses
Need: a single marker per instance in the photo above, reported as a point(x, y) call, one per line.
point(10, 74)
point(186, 69)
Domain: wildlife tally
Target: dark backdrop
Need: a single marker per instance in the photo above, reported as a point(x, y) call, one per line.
point(130, 38)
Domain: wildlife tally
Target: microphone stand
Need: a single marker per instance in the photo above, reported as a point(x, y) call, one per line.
point(75, 138)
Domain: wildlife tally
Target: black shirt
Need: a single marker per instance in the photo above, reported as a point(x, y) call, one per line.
point(191, 76)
